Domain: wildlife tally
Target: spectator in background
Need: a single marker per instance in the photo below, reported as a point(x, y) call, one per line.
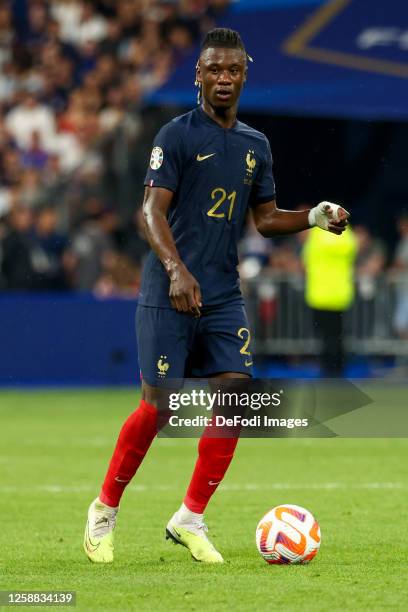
point(7, 35)
point(35, 156)
point(11, 167)
point(5, 206)
point(370, 263)
point(28, 117)
point(68, 15)
point(90, 246)
point(8, 81)
point(110, 44)
point(29, 188)
point(37, 31)
point(52, 245)
point(371, 256)
point(329, 267)
point(92, 26)
point(400, 270)
point(19, 262)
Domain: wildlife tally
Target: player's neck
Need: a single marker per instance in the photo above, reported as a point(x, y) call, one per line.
point(225, 117)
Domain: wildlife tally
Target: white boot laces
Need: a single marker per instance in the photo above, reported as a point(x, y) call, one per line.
point(104, 523)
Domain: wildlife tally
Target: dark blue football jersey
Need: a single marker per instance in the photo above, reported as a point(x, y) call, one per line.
point(215, 174)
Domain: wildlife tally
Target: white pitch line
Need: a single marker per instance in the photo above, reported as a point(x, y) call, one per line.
point(324, 486)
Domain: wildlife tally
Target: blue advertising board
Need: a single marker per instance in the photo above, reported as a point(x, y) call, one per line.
point(67, 339)
point(340, 58)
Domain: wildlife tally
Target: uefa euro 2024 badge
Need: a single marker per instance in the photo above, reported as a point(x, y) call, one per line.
point(156, 158)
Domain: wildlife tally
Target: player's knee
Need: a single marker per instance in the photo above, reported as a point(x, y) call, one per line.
point(156, 397)
point(150, 394)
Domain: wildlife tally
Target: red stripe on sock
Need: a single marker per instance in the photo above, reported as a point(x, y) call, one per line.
point(134, 440)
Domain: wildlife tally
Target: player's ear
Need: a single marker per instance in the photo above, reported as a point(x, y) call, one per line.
point(198, 73)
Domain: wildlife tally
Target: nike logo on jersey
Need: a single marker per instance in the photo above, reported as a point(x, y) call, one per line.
point(213, 483)
point(121, 479)
point(203, 157)
point(248, 363)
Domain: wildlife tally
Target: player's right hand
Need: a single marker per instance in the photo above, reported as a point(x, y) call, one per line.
point(185, 292)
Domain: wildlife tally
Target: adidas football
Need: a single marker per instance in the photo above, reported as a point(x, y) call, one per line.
point(288, 534)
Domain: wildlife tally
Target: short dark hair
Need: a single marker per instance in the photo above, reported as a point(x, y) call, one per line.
point(223, 37)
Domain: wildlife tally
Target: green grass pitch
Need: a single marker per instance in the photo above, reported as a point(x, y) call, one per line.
point(53, 455)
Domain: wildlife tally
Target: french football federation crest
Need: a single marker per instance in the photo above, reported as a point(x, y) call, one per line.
point(162, 366)
point(250, 161)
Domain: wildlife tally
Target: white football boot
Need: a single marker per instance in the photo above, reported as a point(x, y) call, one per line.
point(188, 528)
point(98, 538)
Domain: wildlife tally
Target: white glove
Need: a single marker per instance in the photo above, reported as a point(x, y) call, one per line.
point(325, 213)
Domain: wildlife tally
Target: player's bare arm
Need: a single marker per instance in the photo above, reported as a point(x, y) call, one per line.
point(272, 221)
point(184, 292)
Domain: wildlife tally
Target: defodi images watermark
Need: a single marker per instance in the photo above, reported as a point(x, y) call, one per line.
point(282, 408)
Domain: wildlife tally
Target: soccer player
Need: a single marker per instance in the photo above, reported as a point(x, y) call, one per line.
point(206, 169)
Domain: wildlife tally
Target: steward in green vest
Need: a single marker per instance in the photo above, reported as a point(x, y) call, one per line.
point(329, 291)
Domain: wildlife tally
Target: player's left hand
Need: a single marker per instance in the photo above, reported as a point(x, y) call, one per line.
point(330, 217)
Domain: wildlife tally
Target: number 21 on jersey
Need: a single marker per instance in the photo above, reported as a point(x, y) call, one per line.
point(220, 196)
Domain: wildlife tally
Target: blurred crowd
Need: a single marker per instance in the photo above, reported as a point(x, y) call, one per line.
point(75, 133)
